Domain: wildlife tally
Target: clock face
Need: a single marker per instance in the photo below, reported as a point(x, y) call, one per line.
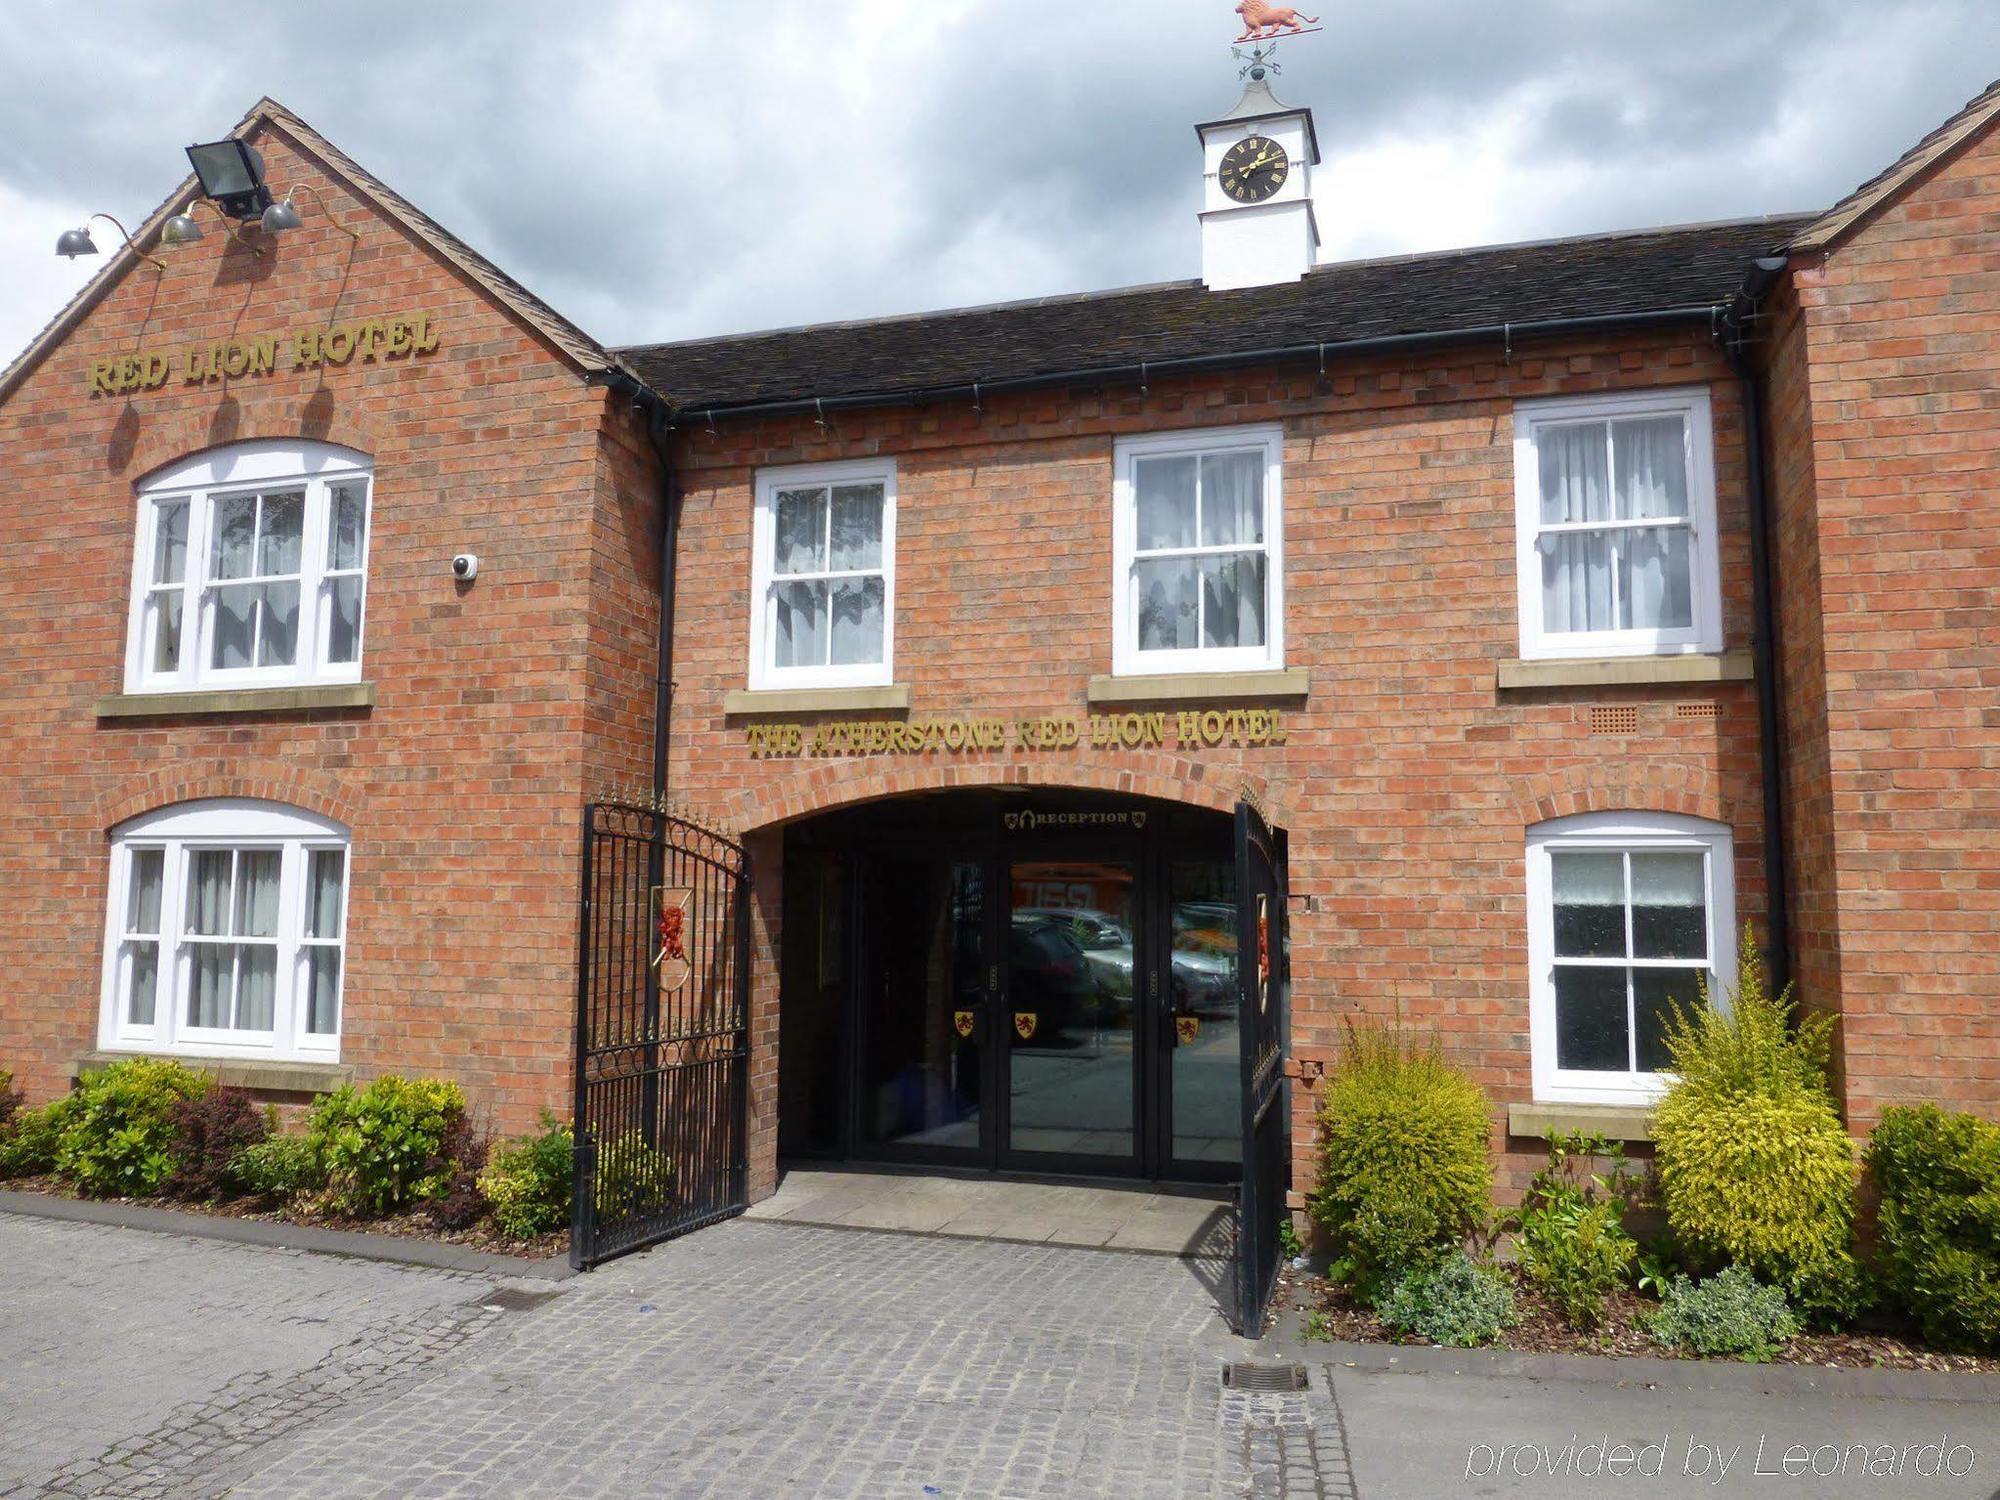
point(1254, 169)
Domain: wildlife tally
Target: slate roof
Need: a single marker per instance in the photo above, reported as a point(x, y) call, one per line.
point(1648, 271)
point(1879, 191)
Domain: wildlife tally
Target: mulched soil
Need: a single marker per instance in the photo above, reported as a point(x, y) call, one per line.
point(412, 1226)
point(1542, 1330)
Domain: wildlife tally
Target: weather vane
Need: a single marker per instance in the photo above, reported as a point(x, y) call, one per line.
point(1264, 25)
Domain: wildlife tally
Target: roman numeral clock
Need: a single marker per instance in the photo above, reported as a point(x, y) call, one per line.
point(1253, 169)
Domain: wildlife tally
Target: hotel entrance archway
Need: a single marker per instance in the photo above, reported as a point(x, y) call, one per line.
point(1041, 982)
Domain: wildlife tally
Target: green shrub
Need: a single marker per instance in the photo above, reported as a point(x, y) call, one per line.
point(1403, 1170)
point(1730, 1313)
point(1571, 1237)
point(528, 1182)
point(1453, 1301)
point(384, 1146)
point(204, 1136)
point(631, 1176)
point(280, 1166)
point(117, 1134)
point(10, 1100)
point(1939, 1225)
point(28, 1145)
point(1754, 1167)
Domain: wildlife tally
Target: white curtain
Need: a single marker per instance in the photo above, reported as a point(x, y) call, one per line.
point(1165, 502)
point(1169, 603)
point(1576, 567)
point(1232, 499)
point(1635, 578)
point(1233, 600)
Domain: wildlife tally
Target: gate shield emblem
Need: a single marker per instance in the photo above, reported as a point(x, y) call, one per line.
point(670, 914)
point(1025, 1022)
point(1187, 1028)
point(1263, 951)
point(963, 1022)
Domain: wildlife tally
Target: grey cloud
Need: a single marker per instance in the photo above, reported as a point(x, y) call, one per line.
point(660, 168)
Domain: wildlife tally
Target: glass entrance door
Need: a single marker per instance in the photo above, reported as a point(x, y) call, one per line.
point(924, 1019)
point(1073, 979)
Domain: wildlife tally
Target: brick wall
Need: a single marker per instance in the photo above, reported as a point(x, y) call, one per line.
point(1408, 781)
point(1808, 789)
point(462, 784)
point(1902, 328)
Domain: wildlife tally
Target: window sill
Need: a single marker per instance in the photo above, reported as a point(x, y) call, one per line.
point(1627, 671)
point(894, 698)
point(1294, 682)
point(268, 1074)
point(236, 701)
point(1618, 1122)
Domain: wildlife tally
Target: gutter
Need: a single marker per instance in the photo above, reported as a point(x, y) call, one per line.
point(1737, 321)
point(1141, 372)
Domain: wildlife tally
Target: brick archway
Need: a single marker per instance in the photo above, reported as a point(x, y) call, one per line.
point(817, 788)
point(310, 416)
point(1625, 786)
point(199, 780)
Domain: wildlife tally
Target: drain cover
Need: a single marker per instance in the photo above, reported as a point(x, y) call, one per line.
point(1244, 1376)
point(514, 1299)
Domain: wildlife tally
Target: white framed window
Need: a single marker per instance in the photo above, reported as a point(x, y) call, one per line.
point(227, 932)
point(251, 570)
point(823, 577)
point(1628, 914)
point(1198, 554)
point(1615, 499)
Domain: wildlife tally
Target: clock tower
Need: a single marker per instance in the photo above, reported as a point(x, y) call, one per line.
point(1257, 224)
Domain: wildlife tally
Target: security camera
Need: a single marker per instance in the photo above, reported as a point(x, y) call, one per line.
point(465, 567)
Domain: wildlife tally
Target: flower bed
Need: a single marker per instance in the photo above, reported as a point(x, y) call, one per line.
point(1755, 1178)
point(400, 1157)
point(1327, 1310)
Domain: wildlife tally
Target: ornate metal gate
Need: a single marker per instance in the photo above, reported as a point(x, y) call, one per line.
point(662, 1031)
point(1263, 974)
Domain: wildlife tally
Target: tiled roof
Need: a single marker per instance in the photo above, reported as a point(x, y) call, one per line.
point(1644, 272)
point(1882, 189)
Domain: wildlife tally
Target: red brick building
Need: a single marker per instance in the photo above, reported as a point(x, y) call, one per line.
point(1558, 606)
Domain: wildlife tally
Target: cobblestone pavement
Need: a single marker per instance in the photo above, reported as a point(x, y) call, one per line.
point(749, 1360)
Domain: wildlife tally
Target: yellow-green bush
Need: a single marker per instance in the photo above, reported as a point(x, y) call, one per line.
point(528, 1182)
point(385, 1147)
point(1403, 1167)
point(1754, 1167)
point(117, 1128)
point(1939, 1224)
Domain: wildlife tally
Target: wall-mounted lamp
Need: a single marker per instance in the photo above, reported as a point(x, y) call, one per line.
point(284, 214)
point(74, 242)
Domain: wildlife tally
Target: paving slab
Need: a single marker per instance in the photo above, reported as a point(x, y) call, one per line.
point(1159, 1222)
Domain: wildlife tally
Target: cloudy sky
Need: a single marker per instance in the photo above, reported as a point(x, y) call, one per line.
point(662, 169)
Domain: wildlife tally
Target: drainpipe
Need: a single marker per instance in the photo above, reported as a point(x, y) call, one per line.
point(659, 424)
point(1737, 321)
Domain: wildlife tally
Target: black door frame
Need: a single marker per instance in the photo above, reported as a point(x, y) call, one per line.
point(1139, 839)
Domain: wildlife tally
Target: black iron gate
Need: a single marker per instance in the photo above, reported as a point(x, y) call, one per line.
point(662, 1031)
point(1263, 975)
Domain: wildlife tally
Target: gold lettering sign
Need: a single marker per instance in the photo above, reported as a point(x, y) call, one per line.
point(366, 341)
point(1190, 729)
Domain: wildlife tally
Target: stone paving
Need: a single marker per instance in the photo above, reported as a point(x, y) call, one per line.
point(752, 1359)
point(773, 1358)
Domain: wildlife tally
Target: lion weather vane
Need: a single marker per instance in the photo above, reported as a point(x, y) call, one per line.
point(1264, 26)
